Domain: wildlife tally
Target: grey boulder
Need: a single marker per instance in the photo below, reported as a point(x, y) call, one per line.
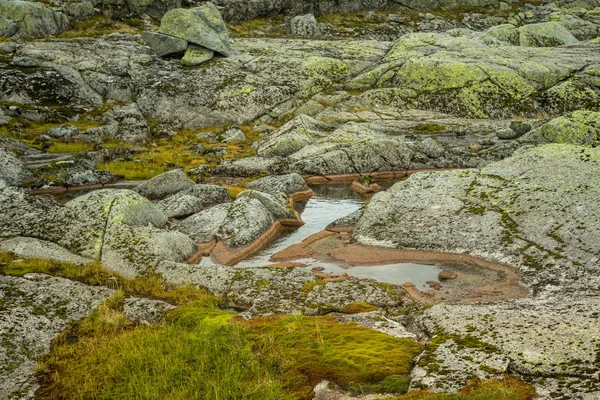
point(165, 184)
point(202, 26)
point(164, 45)
point(545, 34)
point(287, 184)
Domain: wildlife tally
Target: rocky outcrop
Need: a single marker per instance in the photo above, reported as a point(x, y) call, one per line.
point(275, 185)
point(468, 77)
point(41, 249)
point(165, 184)
point(536, 211)
point(12, 170)
point(35, 309)
point(193, 200)
point(237, 224)
point(579, 127)
point(547, 34)
point(265, 291)
point(121, 229)
point(28, 19)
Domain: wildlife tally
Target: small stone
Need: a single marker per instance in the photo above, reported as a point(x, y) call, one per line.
point(447, 275)
point(196, 55)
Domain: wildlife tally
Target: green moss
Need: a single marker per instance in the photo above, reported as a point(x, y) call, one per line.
point(317, 348)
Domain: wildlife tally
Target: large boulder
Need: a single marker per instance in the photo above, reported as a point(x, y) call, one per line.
point(536, 211)
point(12, 170)
point(237, 224)
point(202, 26)
point(291, 137)
point(30, 19)
point(305, 25)
point(124, 231)
point(579, 127)
point(193, 200)
point(35, 248)
point(286, 184)
point(164, 45)
point(165, 184)
point(545, 34)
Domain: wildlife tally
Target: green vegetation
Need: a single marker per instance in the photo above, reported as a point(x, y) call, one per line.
point(306, 350)
point(251, 27)
point(174, 152)
point(201, 351)
point(100, 25)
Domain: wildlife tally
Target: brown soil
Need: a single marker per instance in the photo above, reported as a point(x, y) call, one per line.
point(477, 280)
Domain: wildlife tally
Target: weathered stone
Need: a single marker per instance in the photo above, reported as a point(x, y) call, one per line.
point(233, 134)
point(196, 55)
point(125, 123)
point(12, 170)
point(164, 45)
point(546, 34)
point(193, 200)
point(165, 184)
point(287, 184)
point(35, 248)
point(579, 127)
point(277, 205)
point(305, 25)
point(145, 311)
point(507, 33)
point(31, 19)
point(35, 309)
point(202, 25)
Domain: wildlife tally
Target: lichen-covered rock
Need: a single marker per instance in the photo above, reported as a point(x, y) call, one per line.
point(506, 32)
point(125, 123)
point(193, 200)
point(579, 127)
point(291, 137)
point(467, 77)
point(266, 291)
point(31, 19)
point(348, 221)
point(22, 214)
point(202, 25)
point(12, 170)
point(287, 184)
point(536, 211)
point(35, 309)
point(247, 219)
point(36, 248)
point(277, 205)
point(204, 226)
point(180, 205)
point(196, 55)
point(145, 311)
point(546, 34)
point(305, 25)
point(164, 45)
point(336, 295)
point(165, 184)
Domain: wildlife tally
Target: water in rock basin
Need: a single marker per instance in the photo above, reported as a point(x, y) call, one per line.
point(330, 203)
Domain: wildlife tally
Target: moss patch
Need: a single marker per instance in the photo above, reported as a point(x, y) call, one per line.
point(509, 388)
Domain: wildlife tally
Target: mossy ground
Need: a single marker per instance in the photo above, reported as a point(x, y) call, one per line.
point(174, 152)
point(101, 25)
point(202, 351)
